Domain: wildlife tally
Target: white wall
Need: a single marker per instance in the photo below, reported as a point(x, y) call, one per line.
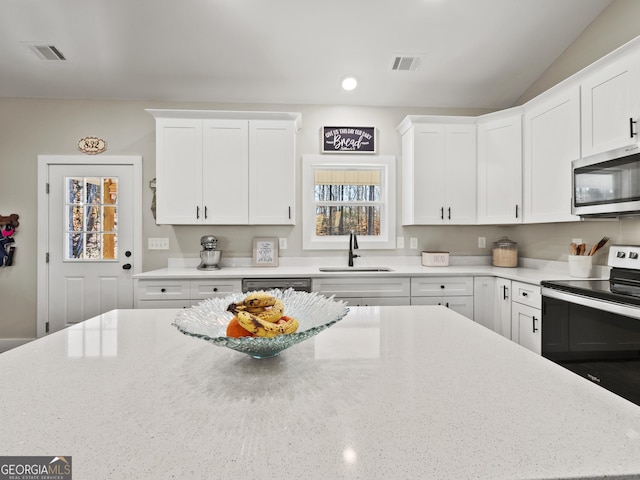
point(30, 127)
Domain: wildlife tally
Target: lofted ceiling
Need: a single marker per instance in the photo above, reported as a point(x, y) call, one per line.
point(474, 53)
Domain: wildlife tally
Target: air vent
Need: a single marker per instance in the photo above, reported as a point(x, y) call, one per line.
point(47, 52)
point(406, 63)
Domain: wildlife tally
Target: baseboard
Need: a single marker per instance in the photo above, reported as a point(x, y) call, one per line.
point(9, 343)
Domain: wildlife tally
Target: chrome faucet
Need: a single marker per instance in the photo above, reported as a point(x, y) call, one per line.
point(353, 245)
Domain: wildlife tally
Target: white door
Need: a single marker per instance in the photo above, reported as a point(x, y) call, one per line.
point(90, 241)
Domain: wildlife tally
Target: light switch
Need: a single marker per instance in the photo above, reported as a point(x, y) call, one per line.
point(413, 243)
point(400, 242)
point(158, 244)
point(482, 242)
point(282, 243)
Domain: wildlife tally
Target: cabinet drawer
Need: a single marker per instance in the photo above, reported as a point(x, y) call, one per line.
point(201, 289)
point(362, 287)
point(526, 294)
point(163, 304)
point(163, 289)
point(441, 286)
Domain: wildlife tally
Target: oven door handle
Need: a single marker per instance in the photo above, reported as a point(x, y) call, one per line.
point(598, 304)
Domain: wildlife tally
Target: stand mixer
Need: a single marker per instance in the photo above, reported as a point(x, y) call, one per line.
point(209, 256)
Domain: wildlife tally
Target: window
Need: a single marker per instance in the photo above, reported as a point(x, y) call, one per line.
point(344, 193)
point(92, 218)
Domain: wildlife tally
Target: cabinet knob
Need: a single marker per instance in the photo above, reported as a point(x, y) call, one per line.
point(215, 289)
point(441, 286)
point(162, 290)
point(525, 294)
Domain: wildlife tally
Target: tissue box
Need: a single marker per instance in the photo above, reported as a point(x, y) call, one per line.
point(435, 259)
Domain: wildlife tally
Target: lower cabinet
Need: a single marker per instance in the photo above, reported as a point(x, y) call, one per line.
point(181, 293)
point(455, 293)
point(365, 291)
point(526, 316)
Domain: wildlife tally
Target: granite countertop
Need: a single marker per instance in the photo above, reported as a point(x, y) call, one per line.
point(528, 271)
point(388, 392)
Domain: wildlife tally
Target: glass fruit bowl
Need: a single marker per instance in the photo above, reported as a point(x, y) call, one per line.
point(209, 319)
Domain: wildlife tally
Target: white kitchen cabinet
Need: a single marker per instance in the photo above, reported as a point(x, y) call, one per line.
point(500, 167)
point(526, 316)
point(610, 101)
point(167, 293)
point(462, 305)
point(225, 168)
point(181, 293)
point(194, 175)
point(272, 168)
point(502, 307)
point(551, 142)
point(363, 291)
point(455, 293)
point(483, 301)
point(438, 170)
point(526, 324)
point(213, 288)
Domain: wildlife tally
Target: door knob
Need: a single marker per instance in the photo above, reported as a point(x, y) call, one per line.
point(126, 266)
point(127, 253)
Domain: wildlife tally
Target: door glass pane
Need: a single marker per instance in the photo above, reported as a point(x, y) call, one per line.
point(92, 218)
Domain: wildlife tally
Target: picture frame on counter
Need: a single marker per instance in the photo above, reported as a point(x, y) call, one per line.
point(348, 139)
point(265, 252)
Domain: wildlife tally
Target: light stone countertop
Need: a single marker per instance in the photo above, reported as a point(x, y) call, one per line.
point(529, 270)
point(415, 392)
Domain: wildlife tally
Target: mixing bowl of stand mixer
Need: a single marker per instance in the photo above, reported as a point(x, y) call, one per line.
point(209, 256)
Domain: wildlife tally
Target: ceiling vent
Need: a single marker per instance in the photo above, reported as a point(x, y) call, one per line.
point(406, 63)
point(47, 52)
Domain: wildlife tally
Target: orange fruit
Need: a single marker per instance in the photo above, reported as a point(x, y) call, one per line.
point(235, 330)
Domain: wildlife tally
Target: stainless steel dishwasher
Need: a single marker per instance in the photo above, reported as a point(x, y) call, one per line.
point(300, 284)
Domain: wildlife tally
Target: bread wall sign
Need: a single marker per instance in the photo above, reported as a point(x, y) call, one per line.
point(348, 140)
point(92, 145)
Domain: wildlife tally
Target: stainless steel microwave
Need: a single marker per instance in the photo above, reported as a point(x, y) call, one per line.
point(607, 184)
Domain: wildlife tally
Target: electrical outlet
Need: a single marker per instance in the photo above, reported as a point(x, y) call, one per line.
point(158, 244)
point(482, 242)
point(400, 242)
point(413, 243)
point(282, 243)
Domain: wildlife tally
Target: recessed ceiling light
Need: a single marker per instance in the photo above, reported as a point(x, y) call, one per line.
point(349, 83)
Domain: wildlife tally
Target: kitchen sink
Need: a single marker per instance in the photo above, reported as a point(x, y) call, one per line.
point(355, 269)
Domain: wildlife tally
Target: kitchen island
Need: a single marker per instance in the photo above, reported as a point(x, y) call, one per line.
point(415, 392)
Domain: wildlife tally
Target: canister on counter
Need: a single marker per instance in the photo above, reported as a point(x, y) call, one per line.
point(505, 253)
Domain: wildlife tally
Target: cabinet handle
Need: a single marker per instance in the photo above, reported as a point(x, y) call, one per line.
point(441, 213)
point(289, 212)
point(205, 212)
point(516, 211)
point(197, 211)
point(449, 213)
point(447, 304)
point(504, 292)
point(534, 325)
point(631, 132)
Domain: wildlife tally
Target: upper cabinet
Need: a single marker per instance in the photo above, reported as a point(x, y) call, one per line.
point(611, 103)
point(551, 142)
point(500, 167)
point(438, 170)
point(225, 168)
